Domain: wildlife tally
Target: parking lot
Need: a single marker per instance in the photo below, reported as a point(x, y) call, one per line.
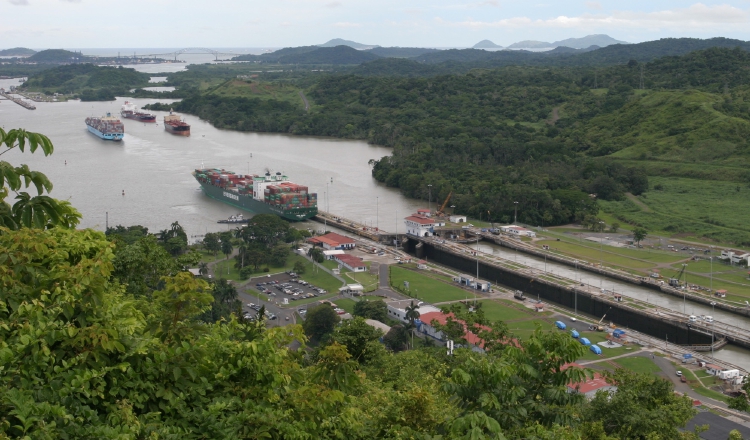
point(287, 286)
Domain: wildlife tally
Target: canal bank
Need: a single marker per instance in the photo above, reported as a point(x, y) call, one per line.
point(670, 326)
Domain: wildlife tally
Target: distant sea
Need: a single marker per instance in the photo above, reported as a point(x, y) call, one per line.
point(193, 57)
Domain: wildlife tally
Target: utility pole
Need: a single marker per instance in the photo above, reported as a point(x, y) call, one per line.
point(429, 198)
point(515, 213)
point(377, 213)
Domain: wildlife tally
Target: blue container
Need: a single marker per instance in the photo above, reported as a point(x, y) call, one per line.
point(585, 341)
point(560, 325)
point(595, 348)
point(574, 334)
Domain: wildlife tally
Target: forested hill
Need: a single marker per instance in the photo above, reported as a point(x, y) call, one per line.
point(614, 54)
point(17, 52)
point(545, 137)
point(93, 83)
point(55, 56)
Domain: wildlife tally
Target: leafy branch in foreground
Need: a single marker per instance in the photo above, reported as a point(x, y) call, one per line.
point(39, 211)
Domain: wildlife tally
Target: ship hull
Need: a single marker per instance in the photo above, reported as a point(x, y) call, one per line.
point(106, 136)
point(249, 204)
point(177, 131)
point(139, 118)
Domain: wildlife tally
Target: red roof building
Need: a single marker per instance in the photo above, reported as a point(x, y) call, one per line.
point(351, 262)
point(419, 225)
point(333, 240)
point(589, 387)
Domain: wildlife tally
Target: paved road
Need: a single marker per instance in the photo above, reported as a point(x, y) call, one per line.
point(307, 105)
point(718, 427)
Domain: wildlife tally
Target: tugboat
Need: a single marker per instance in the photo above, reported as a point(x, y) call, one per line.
point(239, 218)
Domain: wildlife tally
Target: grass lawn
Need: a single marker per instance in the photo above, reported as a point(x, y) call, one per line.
point(638, 364)
point(346, 304)
point(426, 288)
point(495, 311)
point(240, 88)
point(702, 373)
point(368, 280)
point(710, 393)
point(625, 257)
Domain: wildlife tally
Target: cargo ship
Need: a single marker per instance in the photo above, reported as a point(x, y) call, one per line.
point(131, 111)
point(108, 127)
point(175, 125)
point(260, 194)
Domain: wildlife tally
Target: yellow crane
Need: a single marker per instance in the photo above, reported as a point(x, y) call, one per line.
point(441, 211)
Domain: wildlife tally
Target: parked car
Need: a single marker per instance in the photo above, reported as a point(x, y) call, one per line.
point(683, 379)
point(679, 373)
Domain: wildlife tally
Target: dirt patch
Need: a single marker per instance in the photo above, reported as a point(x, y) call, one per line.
point(638, 202)
point(555, 116)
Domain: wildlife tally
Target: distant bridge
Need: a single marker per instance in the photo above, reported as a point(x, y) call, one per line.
point(192, 50)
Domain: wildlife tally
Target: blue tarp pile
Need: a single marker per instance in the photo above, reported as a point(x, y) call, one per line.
point(585, 341)
point(574, 334)
point(561, 325)
point(618, 333)
point(595, 348)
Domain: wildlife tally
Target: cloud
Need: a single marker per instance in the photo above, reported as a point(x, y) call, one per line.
point(19, 2)
point(697, 16)
point(71, 1)
point(333, 5)
point(594, 5)
point(346, 24)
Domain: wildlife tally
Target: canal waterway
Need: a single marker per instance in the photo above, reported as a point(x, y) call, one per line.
point(154, 167)
point(735, 355)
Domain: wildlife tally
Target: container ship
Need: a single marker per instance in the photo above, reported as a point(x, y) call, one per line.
point(108, 127)
point(174, 125)
point(260, 194)
point(131, 111)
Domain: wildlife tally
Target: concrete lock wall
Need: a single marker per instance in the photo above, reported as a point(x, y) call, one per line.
point(676, 332)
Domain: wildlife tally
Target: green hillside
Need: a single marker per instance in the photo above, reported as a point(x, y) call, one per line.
point(17, 52)
point(55, 56)
point(93, 83)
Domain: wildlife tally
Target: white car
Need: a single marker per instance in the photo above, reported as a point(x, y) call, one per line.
point(679, 373)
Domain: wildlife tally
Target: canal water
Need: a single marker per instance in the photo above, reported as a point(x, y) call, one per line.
point(153, 169)
point(735, 355)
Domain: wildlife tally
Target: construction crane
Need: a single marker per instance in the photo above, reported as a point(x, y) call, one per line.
point(598, 327)
point(441, 211)
point(675, 282)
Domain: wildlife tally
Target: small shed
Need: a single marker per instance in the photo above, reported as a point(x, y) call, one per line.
point(421, 264)
point(560, 325)
point(574, 334)
point(713, 369)
point(539, 307)
point(721, 293)
point(458, 218)
point(585, 341)
point(595, 348)
point(618, 333)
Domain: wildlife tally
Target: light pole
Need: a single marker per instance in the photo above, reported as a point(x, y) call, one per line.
point(711, 259)
point(476, 283)
point(515, 212)
point(712, 327)
point(377, 213)
point(429, 198)
point(601, 267)
point(684, 301)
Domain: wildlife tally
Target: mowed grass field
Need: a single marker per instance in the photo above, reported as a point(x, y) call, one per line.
point(691, 208)
point(426, 288)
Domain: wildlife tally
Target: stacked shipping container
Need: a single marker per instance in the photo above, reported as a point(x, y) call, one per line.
point(286, 195)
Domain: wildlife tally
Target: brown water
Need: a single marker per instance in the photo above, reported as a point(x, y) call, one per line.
point(153, 168)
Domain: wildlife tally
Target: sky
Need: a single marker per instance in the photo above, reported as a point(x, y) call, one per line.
point(68, 24)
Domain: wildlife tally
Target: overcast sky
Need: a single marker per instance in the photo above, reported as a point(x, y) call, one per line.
point(424, 23)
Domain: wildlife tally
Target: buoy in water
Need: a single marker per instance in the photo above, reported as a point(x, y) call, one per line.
point(66, 161)
point(123, 192)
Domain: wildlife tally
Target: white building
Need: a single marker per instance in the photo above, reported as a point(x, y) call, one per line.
point(735, 256)
point(518, 231)
point(352, 289)
point(355, 264)
point(397, 309)
point(331, 254)
point(420, 226)
point(458, 219)
point(470, 281)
